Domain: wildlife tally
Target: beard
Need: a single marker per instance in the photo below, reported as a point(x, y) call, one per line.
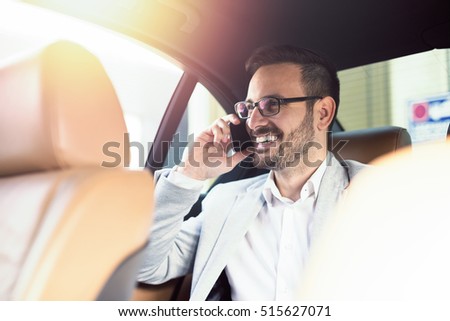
point(289, 151)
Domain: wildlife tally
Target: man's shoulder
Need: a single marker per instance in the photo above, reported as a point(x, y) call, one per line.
point(226, 193)
point(354, 167)
point(243, 184)
point(346, 169)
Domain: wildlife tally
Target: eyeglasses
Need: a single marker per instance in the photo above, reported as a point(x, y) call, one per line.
point(267, 106)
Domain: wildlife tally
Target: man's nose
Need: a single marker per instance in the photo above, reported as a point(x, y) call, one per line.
point(256, 119)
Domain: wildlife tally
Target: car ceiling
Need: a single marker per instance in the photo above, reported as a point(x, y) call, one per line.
point(214, 37)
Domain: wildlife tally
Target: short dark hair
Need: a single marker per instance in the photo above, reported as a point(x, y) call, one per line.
point(318, 74)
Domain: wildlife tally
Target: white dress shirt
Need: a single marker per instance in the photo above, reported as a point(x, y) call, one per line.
point(269, 261)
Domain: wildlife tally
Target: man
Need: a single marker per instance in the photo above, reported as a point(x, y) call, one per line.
point(256, 232)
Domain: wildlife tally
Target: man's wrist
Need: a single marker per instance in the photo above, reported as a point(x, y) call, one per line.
point(180, 179)
point(189, 173)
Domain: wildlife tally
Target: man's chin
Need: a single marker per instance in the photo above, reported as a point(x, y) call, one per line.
point(264, 161)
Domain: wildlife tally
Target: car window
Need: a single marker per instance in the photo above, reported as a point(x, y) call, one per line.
point(201, 111)
point(144, 82)
point(411, 92)
point(142, 77)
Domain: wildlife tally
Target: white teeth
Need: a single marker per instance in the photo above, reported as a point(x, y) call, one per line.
point(265, 139)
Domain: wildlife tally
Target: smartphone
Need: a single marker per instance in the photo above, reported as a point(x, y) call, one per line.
point(240, 138)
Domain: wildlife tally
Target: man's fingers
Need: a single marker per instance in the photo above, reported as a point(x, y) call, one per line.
point(231, 118)
point(218, 133)
point(225, 130)
point(221, 128)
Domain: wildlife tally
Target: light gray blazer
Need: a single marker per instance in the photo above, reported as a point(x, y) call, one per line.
point(203, 244)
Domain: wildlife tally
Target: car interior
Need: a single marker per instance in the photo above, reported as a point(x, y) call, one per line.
point(402, 242)
point(74, 216)
point(71, 228)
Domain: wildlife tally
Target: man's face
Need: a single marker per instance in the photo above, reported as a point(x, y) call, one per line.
point(281, 140)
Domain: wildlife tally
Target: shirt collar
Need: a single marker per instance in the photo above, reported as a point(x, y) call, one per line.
point(311, 187)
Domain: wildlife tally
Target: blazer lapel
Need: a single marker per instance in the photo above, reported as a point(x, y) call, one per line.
point(241, 215)
point(334, 182)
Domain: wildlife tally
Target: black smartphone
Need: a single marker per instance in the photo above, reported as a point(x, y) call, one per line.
point(240, 138)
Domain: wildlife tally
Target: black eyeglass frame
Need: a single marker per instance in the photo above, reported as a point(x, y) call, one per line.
point(281, 101)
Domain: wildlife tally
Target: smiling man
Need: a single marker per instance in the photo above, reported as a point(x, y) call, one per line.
point(254, 233)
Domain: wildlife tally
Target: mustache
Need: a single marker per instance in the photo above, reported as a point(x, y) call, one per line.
point(261, 131)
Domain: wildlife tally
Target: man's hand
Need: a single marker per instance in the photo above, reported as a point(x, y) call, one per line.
point(207, 156)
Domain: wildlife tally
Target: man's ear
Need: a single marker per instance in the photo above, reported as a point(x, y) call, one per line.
point(326, 108)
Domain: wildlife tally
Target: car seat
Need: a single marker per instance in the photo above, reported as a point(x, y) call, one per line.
point(73, 220)
point(389, 239)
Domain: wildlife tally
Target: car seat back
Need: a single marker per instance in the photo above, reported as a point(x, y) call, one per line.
point(72, 219)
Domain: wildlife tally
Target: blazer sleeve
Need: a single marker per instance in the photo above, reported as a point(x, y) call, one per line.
point(173, 241)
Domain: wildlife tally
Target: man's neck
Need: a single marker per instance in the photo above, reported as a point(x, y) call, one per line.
point(290, 180)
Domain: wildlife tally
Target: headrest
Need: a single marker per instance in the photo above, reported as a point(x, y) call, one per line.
point(58, 109)
point(367, 144)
